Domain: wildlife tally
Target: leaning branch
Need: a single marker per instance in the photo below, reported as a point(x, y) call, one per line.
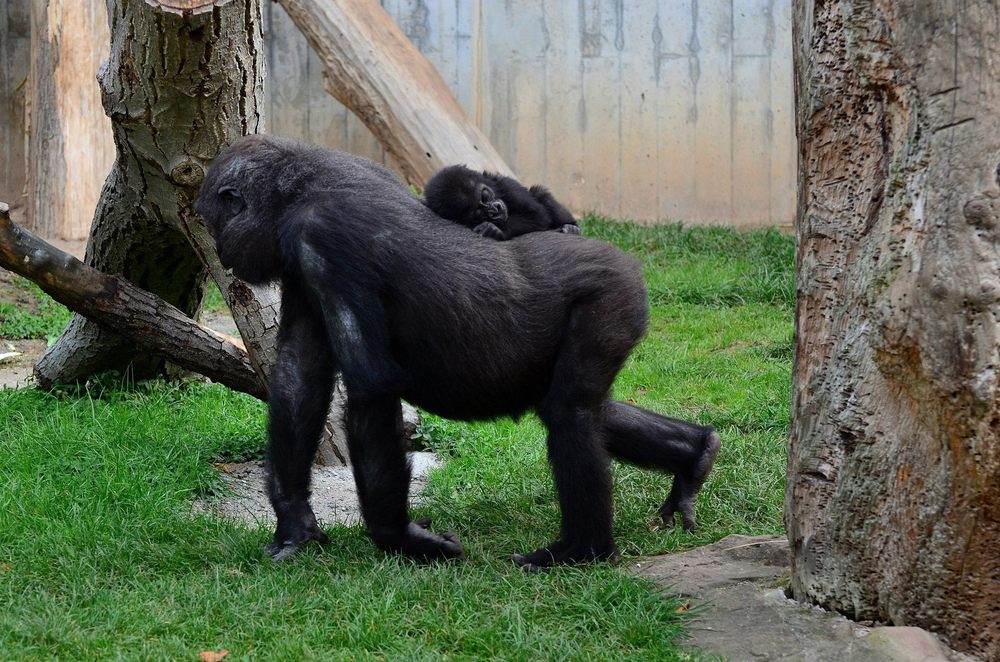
point(372, 68)
point(132, 312)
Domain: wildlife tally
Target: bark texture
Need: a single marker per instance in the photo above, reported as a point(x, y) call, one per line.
point(893, 493)
point(69, 139)
point(133, 313)
point(372, 68)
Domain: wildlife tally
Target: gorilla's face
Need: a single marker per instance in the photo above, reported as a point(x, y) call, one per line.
point(490, 207)
point(233, 202)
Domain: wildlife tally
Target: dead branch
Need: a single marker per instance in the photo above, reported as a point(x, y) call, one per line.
point(130, 311)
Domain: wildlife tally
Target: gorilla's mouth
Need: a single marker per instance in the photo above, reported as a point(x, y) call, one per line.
point(496, 211)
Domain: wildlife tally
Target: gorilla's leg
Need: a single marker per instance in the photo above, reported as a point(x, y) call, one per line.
point(382, 474)
point(298, 399)
point(572, 411)
point(686, 450)
point(582, 477)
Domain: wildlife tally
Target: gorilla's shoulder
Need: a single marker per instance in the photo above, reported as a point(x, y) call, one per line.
point(302, 166)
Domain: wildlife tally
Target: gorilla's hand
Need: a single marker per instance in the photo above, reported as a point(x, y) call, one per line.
point(569, 228)
point(419, 542)
point(490, 231)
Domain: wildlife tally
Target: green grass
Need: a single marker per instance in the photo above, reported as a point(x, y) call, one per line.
point(43, 318)
point(213, 299)
point(101, 556)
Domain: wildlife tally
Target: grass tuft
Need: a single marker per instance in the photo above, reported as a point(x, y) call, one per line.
point(27, 312)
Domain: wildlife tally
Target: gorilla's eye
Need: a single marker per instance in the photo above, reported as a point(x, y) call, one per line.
point(485, 194)
point(232, 198)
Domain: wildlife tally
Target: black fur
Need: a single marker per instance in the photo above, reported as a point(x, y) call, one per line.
point(495, 206)
point(406, 305)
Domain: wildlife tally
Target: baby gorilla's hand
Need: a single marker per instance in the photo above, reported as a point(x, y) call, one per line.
point(490, 231)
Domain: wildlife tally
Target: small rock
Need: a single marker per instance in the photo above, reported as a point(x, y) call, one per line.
point(907, 644)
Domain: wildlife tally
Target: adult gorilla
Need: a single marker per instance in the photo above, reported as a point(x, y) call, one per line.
point(408, 305)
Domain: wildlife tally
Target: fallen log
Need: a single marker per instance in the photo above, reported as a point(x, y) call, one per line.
point(130, 311)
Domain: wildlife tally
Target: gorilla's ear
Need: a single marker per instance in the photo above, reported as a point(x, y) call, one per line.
point(229, 191)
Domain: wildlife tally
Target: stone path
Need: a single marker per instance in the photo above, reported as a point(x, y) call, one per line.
point(736, 588)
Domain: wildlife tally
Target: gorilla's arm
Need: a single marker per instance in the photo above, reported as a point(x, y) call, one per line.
point(560, 218)
point(298, 399)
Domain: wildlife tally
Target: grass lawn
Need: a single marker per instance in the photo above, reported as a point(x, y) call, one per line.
point(102, 558)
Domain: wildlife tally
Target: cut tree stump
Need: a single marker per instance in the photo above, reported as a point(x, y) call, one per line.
point(178, 89)
point(184, 79)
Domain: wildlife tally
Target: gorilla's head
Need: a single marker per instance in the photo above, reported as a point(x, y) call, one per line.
point(465, 196)
point(245, 191)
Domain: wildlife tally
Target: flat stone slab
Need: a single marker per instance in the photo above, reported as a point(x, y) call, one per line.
point(334, 496)
point(736, 588)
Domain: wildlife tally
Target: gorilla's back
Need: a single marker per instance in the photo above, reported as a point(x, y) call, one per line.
point(440, 285)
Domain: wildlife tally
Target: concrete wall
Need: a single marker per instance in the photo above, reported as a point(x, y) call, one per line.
point(15, 60)
point(647, 109)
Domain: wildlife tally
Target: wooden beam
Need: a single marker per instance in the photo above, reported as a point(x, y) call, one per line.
point(373, 69)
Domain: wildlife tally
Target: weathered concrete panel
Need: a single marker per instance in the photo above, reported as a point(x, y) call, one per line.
point(650, 110)
point(15, 60)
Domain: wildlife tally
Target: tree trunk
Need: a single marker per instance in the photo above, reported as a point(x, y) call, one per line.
point(178, 89)
point(184, 79)
point(893, 493)
point(372, 68)
point(69, 138)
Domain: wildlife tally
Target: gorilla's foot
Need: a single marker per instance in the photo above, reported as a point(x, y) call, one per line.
point(419, 542)
point(297, 525)
point(564, 553)
point(684, 492)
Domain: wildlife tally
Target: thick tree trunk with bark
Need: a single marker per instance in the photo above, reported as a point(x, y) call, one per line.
point(178, 88)
point(893, 494)
point(372, 68)
point(69, 138)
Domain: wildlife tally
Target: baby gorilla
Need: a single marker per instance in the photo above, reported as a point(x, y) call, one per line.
point(495, 206)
